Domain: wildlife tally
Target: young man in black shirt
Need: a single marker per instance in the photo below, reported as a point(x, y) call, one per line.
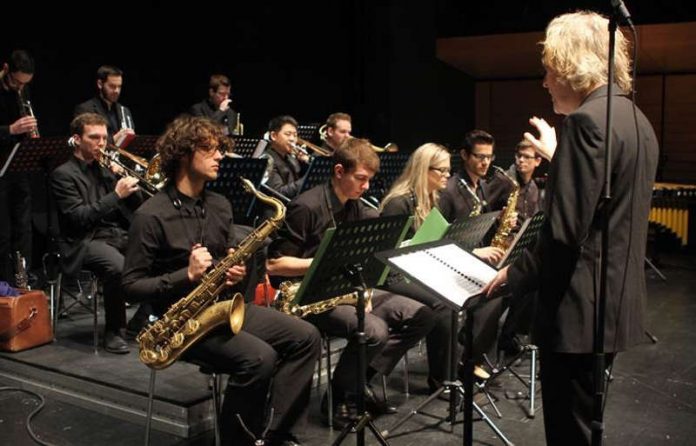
point(176, 236)
point(217, 106)
point(15, 188)
point(94, 210)
point(285, 162)
point(394, 323)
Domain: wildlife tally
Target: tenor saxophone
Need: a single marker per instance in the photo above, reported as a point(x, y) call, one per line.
point(501, 239)
point(193, 316)
point(288, 290)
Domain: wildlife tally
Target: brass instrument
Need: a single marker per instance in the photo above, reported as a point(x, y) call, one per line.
point(193, 316)
point(390, 147)
point(146, 182)
point(21, 276)
point(288, 290)
point(27, 110)
point(478, 204)
point(315, 148)
point(238, 126)
point(501, 239)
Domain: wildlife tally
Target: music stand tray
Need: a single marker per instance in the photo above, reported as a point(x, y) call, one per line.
point(319, 172)
point(470, 232)
point(524, 239)
point(245, 147)
point(37, 155)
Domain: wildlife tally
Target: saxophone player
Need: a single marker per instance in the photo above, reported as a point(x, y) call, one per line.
point(394, 324)
point(15, 189)
point(94, 209)
point(175, 238)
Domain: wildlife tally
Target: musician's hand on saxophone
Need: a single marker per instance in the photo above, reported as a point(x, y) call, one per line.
point(199, 262)
point(489, 254)
point(126, 186)
point(25, 124)
point(545, 145)
point(235, 274)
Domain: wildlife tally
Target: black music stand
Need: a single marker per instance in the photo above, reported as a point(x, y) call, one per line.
point(470, 232)
point(309, 132)
point(38, 155)
point(345, 263)
point(391, 165)
point(245, 147)
point(456, 278)
point(228, 183)
point(525, 238)
point(143, 145)
point(319, 172)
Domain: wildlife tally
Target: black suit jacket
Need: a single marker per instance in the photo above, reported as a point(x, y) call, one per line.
point(284, 176)
point(95, 105)
point(564, 265)
point(78, 215)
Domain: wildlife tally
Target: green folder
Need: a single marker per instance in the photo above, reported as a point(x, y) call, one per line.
point(433, 228)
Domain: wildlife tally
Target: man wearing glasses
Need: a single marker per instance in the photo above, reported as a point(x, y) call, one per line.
point(15, 188)
point(469, 188)
point(526, 161)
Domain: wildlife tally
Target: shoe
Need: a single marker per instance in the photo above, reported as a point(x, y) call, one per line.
point(140, 320)
point(115, 343)
point(344, 412)
point(479, 372)
point(511, 346)
point(375, 405)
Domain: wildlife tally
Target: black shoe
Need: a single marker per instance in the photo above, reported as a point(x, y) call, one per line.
point(114, 343)
point(344, 412)
point(375, 405)
point(140, 320)
point(511, 346)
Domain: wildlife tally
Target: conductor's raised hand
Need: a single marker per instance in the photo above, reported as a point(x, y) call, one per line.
point(546, 143)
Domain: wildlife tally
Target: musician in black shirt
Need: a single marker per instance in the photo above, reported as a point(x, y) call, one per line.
point(285, 168)
point(394, 323)
point(175, 237)
point(15, 188)
point(217, 106)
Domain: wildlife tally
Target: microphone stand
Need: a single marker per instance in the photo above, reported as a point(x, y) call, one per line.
point(599, 356)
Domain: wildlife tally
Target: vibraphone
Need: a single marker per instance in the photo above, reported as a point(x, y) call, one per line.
point(672, 209)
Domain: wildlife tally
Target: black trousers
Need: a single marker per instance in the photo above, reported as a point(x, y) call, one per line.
point(273, 356)
point(567, 395)
point(15, 223)
point(394, 325)
point(105, 259)
point(438, 339)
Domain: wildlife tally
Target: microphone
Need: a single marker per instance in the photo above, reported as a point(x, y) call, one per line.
point(621, 12)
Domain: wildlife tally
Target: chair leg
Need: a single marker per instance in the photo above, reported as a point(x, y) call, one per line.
point(384, 387)
point(329, 380)
point(532, 381)
point(216, 406)
point(150, 399)
point(406, 384)
point(95, 309)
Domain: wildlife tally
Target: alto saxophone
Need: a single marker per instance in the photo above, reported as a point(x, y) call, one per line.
point(193, 316)
point(288, 290)
point(478, 204)
point(501, 239)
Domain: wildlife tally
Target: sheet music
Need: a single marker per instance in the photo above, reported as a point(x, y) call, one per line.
point(449, 270)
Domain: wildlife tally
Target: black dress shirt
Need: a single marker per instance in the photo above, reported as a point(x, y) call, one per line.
point(227, 118)
point(310, 215)
point(161, 236)
point(10, 111)
point(402, 205)
point(285, 173)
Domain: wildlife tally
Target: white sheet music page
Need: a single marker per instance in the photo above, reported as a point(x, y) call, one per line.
point(449, 270)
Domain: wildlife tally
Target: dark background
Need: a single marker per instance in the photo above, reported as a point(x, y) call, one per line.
point(372, 59)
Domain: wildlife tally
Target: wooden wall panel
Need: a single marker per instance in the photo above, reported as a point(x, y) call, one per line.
point(679, 146)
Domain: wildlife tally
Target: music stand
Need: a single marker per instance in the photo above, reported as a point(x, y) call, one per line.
point(319, 172)
point(456, 278)
point(245, 147)
point(391, 165)
point(345, 263)
point(524, 239)
point(228, 183)
point(143, 145)
point(309, 132)
point(38, 155)
point(469, 232)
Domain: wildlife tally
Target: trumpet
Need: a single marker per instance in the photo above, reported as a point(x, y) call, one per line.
point(390, 147)
point(27, 110)
point(147, 182)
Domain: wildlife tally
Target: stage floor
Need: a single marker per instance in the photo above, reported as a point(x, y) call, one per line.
point(98, 399)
